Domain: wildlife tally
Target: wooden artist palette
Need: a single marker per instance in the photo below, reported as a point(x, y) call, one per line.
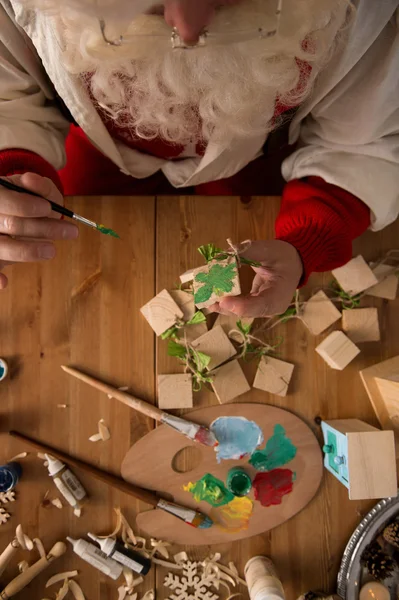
point(151, 463)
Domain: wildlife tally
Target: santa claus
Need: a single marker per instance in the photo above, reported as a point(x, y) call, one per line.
point(137, 96)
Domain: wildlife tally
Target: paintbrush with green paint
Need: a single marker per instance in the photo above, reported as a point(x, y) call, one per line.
point(59, 209)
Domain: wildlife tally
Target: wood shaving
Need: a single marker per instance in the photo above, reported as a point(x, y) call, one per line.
point(62, 592)
point(4, 516)
point(7, 496)
point(77, 512)
point(167, 564)
point(23, 540)
point(149, 595)
point(161, 547)
point(39, 545)
point(60, 577)
point(181, 557)
point(76, 590)
point(122, 590)
point(62, 405)
point(127, 531)
point(23, 565)
point(19, 456)
point(117, 526)
point(103, 433)
point(57, 503)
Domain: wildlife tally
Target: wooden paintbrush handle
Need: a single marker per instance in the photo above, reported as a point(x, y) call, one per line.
point(143, 407)
point(8, 554)
point(22, 580)
point(116, 482)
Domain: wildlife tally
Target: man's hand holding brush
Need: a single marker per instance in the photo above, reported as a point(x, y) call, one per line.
point(28, 226)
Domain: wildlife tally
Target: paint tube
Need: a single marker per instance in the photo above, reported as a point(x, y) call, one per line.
point(95, 557)
point(129, 558)
point(262, 579)
point(9, 476)
point(67, 483)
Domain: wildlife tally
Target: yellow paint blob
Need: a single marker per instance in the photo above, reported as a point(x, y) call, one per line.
point(234, 516)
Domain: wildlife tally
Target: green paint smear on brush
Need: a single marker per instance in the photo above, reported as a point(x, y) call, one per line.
point(107, 231)
point(279, 451)
point(211, 490)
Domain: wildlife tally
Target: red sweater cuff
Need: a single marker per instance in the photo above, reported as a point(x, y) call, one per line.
point(17, 162)
point(320, 220)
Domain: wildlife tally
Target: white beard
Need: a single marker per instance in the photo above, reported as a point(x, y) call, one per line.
point(224, 92)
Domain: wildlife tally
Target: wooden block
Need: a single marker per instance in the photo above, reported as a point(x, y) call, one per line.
point(355, 277)
point(388, 369)
point(389, 390)
point(372, 465)
point(185, 301)
point(319, 313)
point(361, 324)
point(161, 312)
point(337, 350)
point(229, 322)
point(229, 382)
point(215, 344)
point(215, 280)
point(273, 376)
point(187, 275)
point(388, 283)
point(350, 425)
point(175, 391)
point(192, 332)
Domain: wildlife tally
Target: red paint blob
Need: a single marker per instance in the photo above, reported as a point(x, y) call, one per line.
point(270, 487)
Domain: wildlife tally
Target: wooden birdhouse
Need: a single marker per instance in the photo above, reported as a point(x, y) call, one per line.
point(361, 457)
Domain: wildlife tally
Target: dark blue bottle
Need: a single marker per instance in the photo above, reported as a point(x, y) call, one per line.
point(9, 476)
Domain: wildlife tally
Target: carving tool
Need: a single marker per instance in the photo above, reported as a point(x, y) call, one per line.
point(59, 209)
point(195, 432)
point(188, 515)
point(22, 580)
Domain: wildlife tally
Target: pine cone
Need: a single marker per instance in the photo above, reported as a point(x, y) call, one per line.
point(377, 562)
point(391, 534)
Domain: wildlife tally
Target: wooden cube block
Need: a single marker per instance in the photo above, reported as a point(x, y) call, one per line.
point(187, 275)
point(229, 322)
point(337, 350)
point(215, 344)
point(389, 390)
point(215, 280)
point(319, 313)
point(175, 391)
point(361, 324)
point(388, 283)
point(185, 301)
point(229, 382)
point(161, 312)
point(362, 457)
point(355, 277)
point(273, 376)
point(192, 332)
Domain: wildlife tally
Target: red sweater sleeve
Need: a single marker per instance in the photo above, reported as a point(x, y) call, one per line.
point(16, 162)
point(321, 220)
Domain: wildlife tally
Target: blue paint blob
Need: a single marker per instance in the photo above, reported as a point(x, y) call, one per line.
point(237, 437)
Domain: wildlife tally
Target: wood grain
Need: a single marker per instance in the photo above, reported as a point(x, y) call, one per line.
point(149, 464)
point(83, 309)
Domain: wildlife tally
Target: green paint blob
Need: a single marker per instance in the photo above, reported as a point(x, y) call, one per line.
point(107, 231)
point(238, 482)
point(279, 451)
point(210, 489)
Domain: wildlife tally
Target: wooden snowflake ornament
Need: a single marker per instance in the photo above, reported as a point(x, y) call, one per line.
point(7, 497)
point(193, 584)
point(4, 516)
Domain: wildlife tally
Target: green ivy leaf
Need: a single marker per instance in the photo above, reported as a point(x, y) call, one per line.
point(290, 312)
point(175, 349)
point(203, 294)
point(198, 317)
point(169, 333)
point(210, 251)
point(201, 360)
point(245, 329)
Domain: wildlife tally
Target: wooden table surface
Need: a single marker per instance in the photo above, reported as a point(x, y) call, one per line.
point(83, 309)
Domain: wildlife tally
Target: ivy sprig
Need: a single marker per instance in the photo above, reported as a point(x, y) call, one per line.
point(212, 252)
point(172, 332)
point(195, 361)
point(348, 302)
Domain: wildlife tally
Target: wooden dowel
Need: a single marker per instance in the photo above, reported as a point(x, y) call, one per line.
point(8, 553)
point(112, 480)
point(22, 580)
point(136, 403)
